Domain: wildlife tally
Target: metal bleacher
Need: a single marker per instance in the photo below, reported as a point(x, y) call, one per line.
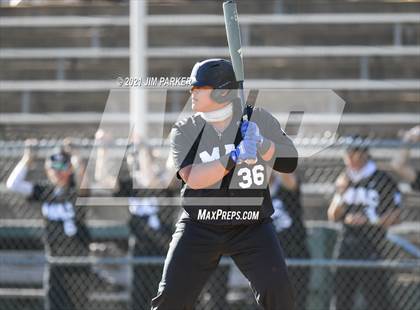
point(58, 68)
point(58, 63)
point(72, 71)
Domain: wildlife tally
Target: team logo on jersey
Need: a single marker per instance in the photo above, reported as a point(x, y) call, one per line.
point(281, 218)
point(367, 197)
point(63, 212)
point(215, 154)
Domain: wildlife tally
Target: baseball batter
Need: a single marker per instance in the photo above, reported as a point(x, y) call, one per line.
point(225, 165)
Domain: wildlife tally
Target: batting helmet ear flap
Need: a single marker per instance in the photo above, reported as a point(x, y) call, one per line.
point(223, 95)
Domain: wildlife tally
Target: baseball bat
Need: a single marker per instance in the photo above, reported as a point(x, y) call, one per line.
point(233, 34)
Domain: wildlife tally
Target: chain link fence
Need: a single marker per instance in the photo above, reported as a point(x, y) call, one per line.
point(108, 253)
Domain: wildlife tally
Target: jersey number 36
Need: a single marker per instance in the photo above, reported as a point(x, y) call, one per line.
point(251, 176)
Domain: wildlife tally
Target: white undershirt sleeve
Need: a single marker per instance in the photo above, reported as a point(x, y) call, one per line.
point(16, 181)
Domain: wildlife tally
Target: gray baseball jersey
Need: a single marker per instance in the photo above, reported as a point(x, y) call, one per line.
point(242, 196)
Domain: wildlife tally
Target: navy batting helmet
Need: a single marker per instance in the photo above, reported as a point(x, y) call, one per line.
point(217, 73)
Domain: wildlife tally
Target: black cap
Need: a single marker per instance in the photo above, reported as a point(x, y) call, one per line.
point(59, 160)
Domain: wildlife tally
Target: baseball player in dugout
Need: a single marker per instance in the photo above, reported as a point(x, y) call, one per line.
point(367, 202)
point(66, 233)
point(225, 164)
